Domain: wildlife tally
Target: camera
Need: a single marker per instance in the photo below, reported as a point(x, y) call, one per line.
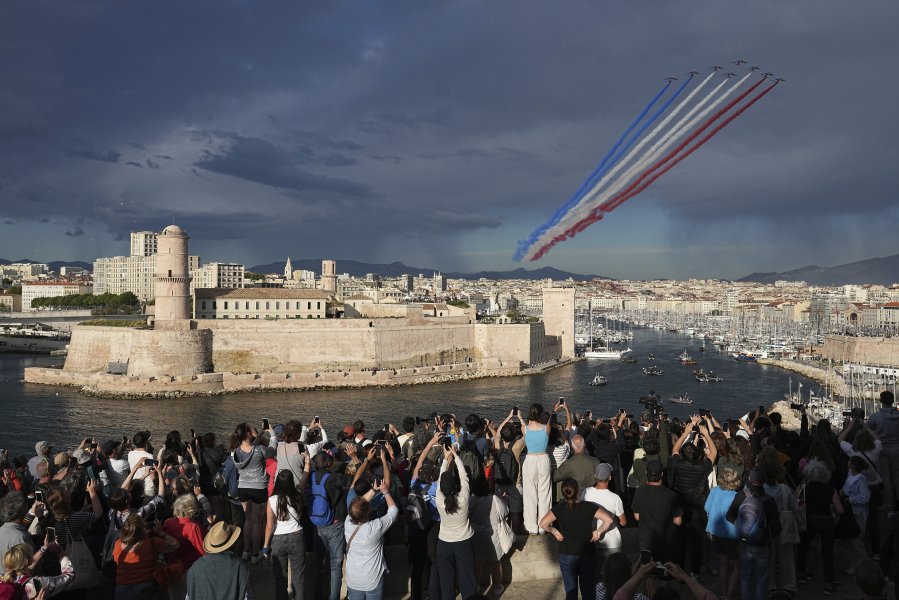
point(660, 571)
point(645, 557)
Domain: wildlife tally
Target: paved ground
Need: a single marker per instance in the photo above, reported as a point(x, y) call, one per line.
point(263, 589)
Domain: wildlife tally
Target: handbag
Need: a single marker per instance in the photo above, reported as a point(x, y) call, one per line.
point(789, 528)
point(86, 574)
point(801, 518)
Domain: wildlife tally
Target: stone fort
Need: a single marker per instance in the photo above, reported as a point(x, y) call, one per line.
point(178, 354)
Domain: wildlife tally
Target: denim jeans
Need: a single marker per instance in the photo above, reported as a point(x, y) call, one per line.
point(753, 572)
point(577, 571)
point(147, 589)
point(455, 561)
point(289, 548)
point(329, 545)
point(375, 594)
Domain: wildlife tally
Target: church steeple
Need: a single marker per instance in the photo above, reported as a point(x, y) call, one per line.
point(288, 270)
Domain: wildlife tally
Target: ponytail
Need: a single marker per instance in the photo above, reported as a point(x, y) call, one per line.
point(570, 492)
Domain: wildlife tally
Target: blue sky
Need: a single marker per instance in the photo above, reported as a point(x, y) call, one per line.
point(440, 133)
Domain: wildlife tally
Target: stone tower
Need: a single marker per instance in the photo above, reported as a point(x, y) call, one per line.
point(329, 276)
point(172, 276)
point(558, 317)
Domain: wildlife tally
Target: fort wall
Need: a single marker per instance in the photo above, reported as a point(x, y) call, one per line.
point(873, 351)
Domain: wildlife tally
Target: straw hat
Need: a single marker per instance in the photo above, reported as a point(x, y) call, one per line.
point(220, 538)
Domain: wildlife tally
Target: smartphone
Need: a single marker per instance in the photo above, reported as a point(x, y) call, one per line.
point(38, 496)
point(447, 442)
point(387, 427)
point(381, 442)
point(94, 445)
point(151, 462)
point(51, 535)
point(645, 557)
point(761, 409)
point(514, 411)
point(446, 428)
point(37, 584)
point(418, 420)
point(561, 401)
point(696, 429)
point(703, 412)
point(266, 424)
point(621, 411)
point(315, 419)
point(660, 571)
point(193, 434)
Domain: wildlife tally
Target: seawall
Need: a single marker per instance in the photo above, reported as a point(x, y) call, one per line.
point(810, 372)
point(210, 384)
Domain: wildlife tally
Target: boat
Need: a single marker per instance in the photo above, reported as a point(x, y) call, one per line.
point(603, 352)
point(653, 370)
point(650, 398)
point(629, 360)
point(699, 372)
point(599, 380)
point(682, 399)
point(686, 359)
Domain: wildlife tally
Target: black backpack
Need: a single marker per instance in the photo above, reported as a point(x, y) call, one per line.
point(505, 468)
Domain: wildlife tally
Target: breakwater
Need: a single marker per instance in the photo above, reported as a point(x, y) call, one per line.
point(818, 374)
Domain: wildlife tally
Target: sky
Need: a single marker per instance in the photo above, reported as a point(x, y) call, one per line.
point(441, 133)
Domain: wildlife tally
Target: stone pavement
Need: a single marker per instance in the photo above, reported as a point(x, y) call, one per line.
point(551, 588)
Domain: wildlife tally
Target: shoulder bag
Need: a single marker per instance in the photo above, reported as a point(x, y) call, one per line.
point(86, 574)
point(789, 528)
point(801, 518)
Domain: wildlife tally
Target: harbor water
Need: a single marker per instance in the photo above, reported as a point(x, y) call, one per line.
point(63, 416)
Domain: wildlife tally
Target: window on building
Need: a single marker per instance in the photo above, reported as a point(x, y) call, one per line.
point(213, 304)
point(318, 305)
point(226, 305)
point(277, 306)
point(266, 306)
point(203, 304)
point(257, 306)
point(309, 306)
point(247, 305)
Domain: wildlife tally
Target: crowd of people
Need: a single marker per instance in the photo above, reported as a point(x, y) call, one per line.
point(749, 503)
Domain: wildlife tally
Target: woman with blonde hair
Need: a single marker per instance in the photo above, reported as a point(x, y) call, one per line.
point(185, 529)
point(725, 537)
point(17, 564)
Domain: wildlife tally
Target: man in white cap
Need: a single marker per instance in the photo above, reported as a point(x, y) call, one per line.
point(601, 494)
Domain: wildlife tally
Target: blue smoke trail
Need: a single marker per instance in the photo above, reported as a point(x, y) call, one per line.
point(602, 169)
point(588, 183)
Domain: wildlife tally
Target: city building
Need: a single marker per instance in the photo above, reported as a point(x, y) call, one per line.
point(218, 275)
point(24, 271)
point(135, 273)
point(260, 303)
point(143, 243)
point(329, 276)
point(50, 289)
point(10, 302)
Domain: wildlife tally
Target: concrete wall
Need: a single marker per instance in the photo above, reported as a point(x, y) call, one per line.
point(266, 346)
point(874, 351)
point(170, 352)
point(509, 342)
point(93, 348)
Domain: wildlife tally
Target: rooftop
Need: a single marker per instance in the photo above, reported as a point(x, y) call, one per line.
point(262, 293)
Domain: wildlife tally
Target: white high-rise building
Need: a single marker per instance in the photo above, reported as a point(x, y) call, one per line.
point(218, 275)
point(135, 273)
point(143, 243)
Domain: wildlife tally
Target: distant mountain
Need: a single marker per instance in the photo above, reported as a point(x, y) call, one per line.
point(395, 269)
point(53, 264)
point(884, 271)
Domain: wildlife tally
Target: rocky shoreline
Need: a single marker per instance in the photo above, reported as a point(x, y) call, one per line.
point(808, 371)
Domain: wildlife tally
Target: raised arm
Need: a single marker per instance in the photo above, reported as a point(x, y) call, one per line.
point(683, 436)
point(424, 453)
point(710, 447)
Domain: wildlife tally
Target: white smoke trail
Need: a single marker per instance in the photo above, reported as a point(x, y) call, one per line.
point(590, 200)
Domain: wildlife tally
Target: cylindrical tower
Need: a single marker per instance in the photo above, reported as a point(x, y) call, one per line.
point(172, 275)
point(329, 276)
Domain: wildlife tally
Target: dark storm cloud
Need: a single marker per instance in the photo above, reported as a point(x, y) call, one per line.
point(260, 161)
point(382, 121)
point(77, 232)
point(86, 150)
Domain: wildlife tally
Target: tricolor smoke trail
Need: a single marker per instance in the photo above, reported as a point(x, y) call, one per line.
point(594, 198)
point(591, 180)
point(597, 213)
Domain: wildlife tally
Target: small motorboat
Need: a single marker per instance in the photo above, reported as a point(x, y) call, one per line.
point(629, 360)
point(686, 359)
point(682, 399)
point(653, 370)
point(598, 380)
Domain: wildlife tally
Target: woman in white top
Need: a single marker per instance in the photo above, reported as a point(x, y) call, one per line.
point(284, 536)
point(455, 552)
point(365, 563)
point(868, 446)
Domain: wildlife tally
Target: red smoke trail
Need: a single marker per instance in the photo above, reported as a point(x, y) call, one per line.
point(612, 204)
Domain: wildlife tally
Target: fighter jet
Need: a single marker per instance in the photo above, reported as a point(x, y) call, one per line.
point(691, 73)
point(779, 79)
point(767, 74)
point(739, 62)
point(717, 68)
point(670, 79)
point(729, 75)
point(755, 68)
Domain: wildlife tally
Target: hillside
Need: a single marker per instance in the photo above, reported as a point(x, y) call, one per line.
point(884, 271)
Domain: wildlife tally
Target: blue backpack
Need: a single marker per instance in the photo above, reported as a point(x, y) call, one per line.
point(321, 513)
point(751, 520)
